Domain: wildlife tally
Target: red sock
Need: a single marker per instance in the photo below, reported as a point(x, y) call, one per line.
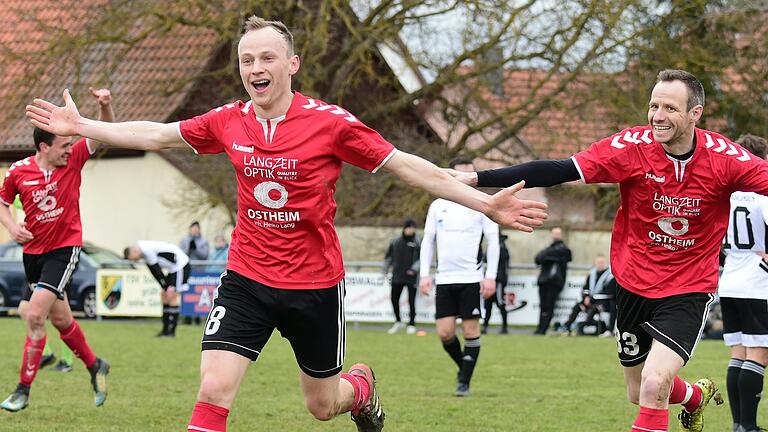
point(30, 364)
point(685, 394)
point(74, 337)
point(651, 420)
point(208, 418)
point(361, 388)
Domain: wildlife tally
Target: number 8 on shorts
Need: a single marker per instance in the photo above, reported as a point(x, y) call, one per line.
point(214, 320)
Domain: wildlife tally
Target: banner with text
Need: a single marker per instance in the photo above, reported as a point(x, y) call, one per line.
point(127, 292)
point(197, 300)
point(368, 300)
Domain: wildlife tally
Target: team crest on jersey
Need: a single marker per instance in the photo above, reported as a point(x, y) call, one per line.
point(111, 290)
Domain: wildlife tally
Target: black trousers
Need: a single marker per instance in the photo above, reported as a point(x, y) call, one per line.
point(548, 294)
point(593, 312)
point(498, 300)
point(608, 305)
point(397, 290)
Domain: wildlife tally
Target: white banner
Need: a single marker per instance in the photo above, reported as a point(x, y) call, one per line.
point(127, 292)
point(368, 300)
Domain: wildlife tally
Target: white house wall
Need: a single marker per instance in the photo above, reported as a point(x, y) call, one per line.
point(124, 200)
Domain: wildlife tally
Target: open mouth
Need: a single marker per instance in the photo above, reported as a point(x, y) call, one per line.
point(661, 128)
point(260, 85)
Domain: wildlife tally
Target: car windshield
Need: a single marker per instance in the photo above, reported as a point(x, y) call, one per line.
point(102, 256)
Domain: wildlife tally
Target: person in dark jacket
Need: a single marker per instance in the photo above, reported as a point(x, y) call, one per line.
point(194, 244)
point(501, 283)
point(403, 258)
point(553, 261)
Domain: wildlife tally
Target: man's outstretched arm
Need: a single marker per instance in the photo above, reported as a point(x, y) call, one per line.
point(544, 173)
point(67, 121)
point(504, 207)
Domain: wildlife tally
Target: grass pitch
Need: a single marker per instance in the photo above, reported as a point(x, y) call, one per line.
point(522, 383)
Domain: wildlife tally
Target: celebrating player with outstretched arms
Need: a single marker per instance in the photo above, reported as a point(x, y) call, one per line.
point(48, 185)
point(675, 183)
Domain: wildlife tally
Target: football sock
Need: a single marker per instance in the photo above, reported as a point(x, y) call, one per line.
point(74, 337)
point(47, 350)
point(66, 354)
point(682, 392)
point(30, 363)
point(469, 360)
point(732, 382)
point(208, 418)
point(453, 348)
point(173, 319)
point(651, 420)
point(166, 318)
point(750, 392)
point(362, 391)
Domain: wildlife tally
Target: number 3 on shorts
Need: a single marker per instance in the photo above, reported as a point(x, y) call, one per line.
point(627, 339)
point(214, 320)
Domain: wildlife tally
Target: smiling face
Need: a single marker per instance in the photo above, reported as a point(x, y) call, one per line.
point(671, 120)
point(266, 66)
point(56, 154)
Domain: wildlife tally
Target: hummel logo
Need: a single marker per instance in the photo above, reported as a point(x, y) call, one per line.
point(655, 178)
point(723, 145)
point(30, 182)
point(242, 148)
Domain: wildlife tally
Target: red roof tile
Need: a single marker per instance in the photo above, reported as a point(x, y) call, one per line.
point(143, 78)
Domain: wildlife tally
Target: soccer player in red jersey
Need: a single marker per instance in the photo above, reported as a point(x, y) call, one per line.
point(285, 267)
point(675, 182)
point(48, 185)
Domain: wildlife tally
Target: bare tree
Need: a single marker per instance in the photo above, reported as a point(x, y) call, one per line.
point(452, 93)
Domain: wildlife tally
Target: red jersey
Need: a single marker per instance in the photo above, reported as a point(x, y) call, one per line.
point(673, 214)
point(286, 171)
point(50, 199)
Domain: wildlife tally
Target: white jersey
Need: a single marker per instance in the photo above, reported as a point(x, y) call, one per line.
point(167, 255)
point(745, 274)
point(458, 231)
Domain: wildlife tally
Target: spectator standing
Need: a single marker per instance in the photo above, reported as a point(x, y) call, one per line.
point(196, 247)
point(220, 252)
point(403, 258)
point(553, 261)
point(501, 282)
point(194, 244)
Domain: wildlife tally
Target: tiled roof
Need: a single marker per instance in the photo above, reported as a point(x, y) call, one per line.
point(563, 128)
point(149, 81)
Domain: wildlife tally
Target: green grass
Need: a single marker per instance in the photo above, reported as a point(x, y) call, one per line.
point(522, 383)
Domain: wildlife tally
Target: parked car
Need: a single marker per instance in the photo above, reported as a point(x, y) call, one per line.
point(82, 289)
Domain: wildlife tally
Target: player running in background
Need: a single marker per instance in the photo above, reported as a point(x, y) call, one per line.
point(675, 184)
point(744, 299)
point(159, 256)
point(48, 185)
point(458, 232)
point(285, 267)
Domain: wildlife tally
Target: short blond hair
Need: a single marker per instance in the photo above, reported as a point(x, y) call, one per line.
point(258, 23)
